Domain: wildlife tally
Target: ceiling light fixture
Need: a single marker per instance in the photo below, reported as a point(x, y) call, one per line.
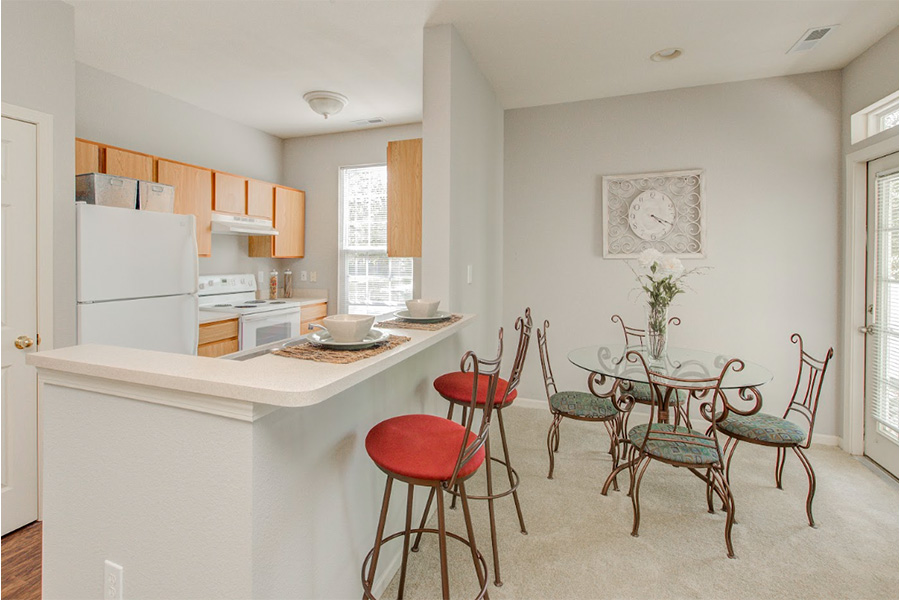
point(325, 103)
point(667, 54)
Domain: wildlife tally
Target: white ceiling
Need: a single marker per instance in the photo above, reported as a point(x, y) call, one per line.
point(251, 61)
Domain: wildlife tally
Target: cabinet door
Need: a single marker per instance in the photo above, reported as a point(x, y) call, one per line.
point(230, 194)
point(193, 196)
point(260, 199)
point(125, 163)
point(404, 195)
point(290, 221)
point(87, 157)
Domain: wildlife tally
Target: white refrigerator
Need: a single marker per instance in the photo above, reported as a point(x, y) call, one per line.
point(136, 282)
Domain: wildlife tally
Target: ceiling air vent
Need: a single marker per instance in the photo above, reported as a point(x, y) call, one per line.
point(365, 122)
point(811, 38)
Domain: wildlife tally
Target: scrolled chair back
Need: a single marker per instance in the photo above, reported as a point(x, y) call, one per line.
point(707, 390)
point(808, 387)
point(490, 369)
point(544, 354)
point(636, 335)
point(524, 325)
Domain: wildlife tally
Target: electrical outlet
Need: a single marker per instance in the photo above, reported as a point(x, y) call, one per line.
point(313, 276)
point(469, 274)
point(112, 581)
point(304, 276)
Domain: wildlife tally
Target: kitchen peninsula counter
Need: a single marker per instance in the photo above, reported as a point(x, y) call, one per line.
point(213, 478)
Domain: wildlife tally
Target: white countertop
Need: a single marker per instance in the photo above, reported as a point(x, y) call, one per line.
point(268, 379)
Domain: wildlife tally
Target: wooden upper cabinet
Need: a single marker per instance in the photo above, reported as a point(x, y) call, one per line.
point(193, 196)
point(404, 198)
point(126, 163)
point(87, 157)
point(290, 221)
point(230, 194)
point(260, 199)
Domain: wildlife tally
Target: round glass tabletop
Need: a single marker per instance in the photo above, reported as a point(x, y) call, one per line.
point(684, 363)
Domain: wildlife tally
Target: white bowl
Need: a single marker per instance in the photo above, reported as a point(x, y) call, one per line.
point(348, 328)
point(421, 309)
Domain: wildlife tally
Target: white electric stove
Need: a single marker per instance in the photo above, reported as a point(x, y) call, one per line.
point(261, 321)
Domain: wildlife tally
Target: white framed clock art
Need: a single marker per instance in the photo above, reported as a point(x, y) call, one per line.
point(665, 211)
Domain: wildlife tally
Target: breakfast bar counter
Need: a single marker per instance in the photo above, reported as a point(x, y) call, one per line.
point(213, 478)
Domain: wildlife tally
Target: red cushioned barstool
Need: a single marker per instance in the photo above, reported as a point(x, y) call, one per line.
point(458, 388)
point(430, 451)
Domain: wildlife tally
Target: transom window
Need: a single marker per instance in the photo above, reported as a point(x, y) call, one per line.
point(370, 281)
point(875, 118)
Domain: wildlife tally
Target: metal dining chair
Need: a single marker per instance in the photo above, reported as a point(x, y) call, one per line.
point(678, 444)
point(579, 406)
point(770, 430)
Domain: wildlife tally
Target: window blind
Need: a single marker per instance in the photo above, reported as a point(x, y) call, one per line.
point(370, 282)
point(884, 364)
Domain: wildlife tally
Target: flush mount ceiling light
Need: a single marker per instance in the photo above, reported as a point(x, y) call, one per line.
point(667, 54)
point(325, 103)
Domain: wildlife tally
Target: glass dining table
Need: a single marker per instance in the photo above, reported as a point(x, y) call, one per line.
point(614, 366)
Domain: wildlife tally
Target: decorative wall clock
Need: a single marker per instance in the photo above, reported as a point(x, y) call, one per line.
point(654, 210)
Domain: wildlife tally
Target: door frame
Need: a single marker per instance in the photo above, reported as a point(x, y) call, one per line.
point(853, 344)
point(43, 245)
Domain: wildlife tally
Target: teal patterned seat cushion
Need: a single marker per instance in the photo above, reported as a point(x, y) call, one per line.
point(675, 444)
point(764, 428)
point(641, 393)
point(582, 404)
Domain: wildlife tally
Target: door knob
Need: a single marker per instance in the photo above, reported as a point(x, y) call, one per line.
point(867, 329)
point(23, 341)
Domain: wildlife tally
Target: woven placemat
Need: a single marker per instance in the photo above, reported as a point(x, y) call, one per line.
point(307, 351)
point(401, 324)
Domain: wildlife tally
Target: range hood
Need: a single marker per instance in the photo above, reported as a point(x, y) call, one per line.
point(239, 225)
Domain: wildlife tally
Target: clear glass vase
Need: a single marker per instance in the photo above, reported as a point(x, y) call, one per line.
point(657, 331)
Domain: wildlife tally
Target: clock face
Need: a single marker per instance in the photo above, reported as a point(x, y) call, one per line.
point(651, 215)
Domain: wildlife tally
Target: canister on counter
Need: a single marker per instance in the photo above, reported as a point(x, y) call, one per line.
point(273, 284)
point(288, 284)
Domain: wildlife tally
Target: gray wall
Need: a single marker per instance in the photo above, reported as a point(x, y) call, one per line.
point(462, 186)
point(115, 111)
point(312, 164)
point(870, 77)
point(771, 152)
point(39, 74)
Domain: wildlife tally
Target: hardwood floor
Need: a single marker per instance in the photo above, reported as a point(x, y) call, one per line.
point(21, 563)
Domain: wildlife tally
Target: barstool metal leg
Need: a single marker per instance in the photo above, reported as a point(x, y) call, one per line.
point(409, 503)
point(509, 470)
point(463, 499)
point(442, 543)
point(378, 535)
point(431, 494)
point(490, 501)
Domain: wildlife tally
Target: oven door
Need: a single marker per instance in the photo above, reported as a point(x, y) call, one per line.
point(272, 326)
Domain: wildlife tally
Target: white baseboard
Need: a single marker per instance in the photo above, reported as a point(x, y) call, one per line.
point(822, 439)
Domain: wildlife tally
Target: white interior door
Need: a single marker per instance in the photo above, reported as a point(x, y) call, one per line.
point(883, 313)
point(18, 168)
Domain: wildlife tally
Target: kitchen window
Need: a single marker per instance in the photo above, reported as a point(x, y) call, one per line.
point(370, 281)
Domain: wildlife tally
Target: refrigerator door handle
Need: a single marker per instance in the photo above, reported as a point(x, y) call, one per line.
point(196, 328)
point(196, 255)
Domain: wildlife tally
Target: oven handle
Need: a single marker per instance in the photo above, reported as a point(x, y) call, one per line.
point(270, 314)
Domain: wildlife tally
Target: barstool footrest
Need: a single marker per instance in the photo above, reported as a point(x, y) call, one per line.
point(367, 589)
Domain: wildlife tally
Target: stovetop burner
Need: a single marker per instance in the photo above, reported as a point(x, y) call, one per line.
point(277, 302)
point(245, 306)
point(221, 305)
point(257, 302)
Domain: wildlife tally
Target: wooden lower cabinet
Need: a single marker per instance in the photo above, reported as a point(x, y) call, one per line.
point(312, 313)
point(218, 338)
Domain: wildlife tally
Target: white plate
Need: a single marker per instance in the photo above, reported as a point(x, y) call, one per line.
point(438, 316)
point(323, 339)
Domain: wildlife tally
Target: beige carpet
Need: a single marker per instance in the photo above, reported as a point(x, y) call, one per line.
point(579, 543)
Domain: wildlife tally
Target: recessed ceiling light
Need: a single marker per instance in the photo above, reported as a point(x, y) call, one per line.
point(667, 54)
